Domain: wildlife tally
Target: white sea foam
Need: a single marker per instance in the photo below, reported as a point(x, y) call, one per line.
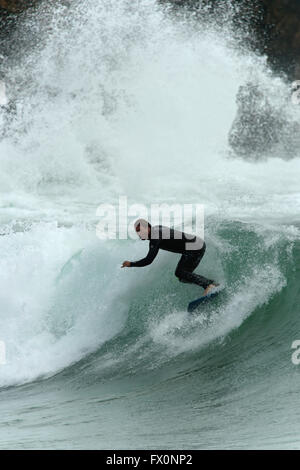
point(121, 98)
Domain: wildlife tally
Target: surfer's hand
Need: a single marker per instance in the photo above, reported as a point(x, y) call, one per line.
point(126, 264)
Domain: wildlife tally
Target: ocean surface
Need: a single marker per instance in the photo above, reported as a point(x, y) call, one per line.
point(128, 99)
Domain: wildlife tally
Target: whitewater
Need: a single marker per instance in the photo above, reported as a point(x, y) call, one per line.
point(130, 99)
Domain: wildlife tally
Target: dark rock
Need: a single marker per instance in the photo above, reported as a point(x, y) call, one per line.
point(281, 22)
point(16, 6)
point(261, 129)
point(275, 25)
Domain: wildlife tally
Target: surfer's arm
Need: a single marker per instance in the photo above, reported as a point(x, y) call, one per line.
point(153, 250)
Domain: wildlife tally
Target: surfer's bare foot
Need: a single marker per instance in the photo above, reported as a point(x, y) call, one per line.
point(209, 288)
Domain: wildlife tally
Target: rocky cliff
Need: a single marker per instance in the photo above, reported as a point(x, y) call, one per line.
point(16, 6)
point(281, 23)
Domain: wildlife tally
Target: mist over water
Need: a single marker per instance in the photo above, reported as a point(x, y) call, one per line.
point(126, 98)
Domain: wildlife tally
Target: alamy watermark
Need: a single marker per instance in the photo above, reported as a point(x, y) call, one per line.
point(296, 354)
point(117, 220)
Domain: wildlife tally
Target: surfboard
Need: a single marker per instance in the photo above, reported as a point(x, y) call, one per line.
point(205, 298)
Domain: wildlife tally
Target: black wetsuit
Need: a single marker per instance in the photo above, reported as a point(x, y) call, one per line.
point(191, 248)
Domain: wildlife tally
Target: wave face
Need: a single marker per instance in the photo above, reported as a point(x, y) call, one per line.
point(128, 98)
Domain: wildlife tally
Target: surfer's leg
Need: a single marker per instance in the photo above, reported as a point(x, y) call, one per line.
point(187, 264)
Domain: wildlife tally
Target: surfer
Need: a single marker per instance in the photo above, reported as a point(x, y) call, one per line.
point(191, 248)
